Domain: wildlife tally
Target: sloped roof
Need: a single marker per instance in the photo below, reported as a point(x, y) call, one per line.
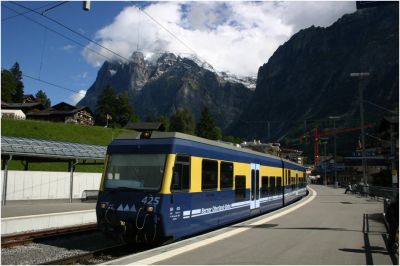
point(61, 108)
point(35, 148)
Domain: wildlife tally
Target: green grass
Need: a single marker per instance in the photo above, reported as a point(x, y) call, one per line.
point(58, 132)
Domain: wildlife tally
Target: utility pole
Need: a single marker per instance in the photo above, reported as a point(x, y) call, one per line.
point(305, 138)
point(393, 155)
point(360, 91)
point(334, 147)
point(325, 141)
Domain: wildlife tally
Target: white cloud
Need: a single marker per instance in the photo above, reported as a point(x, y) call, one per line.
point(68, 47)
point(237, 37)
point(76, 97)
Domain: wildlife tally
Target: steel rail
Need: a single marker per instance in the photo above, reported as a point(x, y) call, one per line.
point(29, 237)
point(83, 258)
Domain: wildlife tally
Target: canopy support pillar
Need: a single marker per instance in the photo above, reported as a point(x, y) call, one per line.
point(71, 166)
point(5, 167)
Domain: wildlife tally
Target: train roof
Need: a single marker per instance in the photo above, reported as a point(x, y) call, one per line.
point(192, 144)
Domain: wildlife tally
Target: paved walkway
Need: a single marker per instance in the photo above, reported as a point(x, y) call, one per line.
point(331, 228)
point(37, 207)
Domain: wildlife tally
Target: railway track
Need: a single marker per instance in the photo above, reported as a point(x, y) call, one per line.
point(26, 238)
point(120, 249)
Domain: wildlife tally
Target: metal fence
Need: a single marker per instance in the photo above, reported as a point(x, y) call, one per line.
point(375, 191)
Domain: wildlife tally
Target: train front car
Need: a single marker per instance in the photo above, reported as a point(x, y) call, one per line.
point(171, 185)
point(130, 194)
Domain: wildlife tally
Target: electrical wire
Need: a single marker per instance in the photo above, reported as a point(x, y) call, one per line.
point(52, 84)
point(172, 34)
point(71, 30)
point(41, 57)
point(17, 15)
point(50, 8)
point(60, 34)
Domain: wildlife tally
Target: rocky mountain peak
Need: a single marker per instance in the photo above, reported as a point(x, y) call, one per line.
point(160, 85)
point(308, 77)
point(137, 57)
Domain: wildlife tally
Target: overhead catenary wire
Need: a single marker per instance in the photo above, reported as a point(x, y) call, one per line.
point(50, 8)
point(172, 34)
point(72, 30)
point(50, 83)
point(43, 50)
point(26, 12)
point(58, 33)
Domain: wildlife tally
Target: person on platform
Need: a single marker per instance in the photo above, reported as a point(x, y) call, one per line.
point(348, 189)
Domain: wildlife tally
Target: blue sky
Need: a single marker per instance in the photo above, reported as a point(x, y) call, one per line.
point(42, 53)
point(236, 37)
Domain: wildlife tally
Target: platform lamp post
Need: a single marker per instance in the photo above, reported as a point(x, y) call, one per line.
point(334, 118)
point(324, 142)
point(361, 76)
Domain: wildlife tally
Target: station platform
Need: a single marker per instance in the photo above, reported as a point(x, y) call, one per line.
point(326, 227)
point(26, 216)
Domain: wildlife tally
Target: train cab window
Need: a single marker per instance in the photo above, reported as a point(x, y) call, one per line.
point(278, 185)
point(240, 188)
point(209, 170)
point(226, 175)
point(181, 174)
point(264, 186)
point(272, 185)
point(135, 171)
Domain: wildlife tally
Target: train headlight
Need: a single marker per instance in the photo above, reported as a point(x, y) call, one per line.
point(122, 223)
point(149, 208)
point(103, 205)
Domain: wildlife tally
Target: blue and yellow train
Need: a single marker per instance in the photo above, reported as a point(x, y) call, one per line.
point(161, 185)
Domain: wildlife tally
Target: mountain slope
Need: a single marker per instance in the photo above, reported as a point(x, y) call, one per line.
point(308, 77)
point(160, 87)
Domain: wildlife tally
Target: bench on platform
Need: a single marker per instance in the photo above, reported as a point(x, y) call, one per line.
point(89, 195)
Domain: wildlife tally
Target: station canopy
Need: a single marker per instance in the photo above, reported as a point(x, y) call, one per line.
point(47, 150)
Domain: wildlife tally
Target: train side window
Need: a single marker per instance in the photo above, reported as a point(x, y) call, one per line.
point(226, 175)
point(209, 174)
point(293, 183)
point(278, 185)
point(181, 174)
point(272, 185)
point(264, 186)
point(240, 188)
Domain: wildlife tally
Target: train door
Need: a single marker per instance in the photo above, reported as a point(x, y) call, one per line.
point(255, 186)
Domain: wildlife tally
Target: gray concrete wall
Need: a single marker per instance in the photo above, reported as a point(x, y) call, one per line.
point(34, 185)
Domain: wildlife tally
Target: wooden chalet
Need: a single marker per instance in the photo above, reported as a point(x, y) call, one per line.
point(65, 113)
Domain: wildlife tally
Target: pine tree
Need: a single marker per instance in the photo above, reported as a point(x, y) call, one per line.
point(165, 121)
point(206, 127)
point(124, 110)
point(182, 121)
point(41, 95)
point(8, 86)
point(105, 109)
point(19, 89)
point(114, 110)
